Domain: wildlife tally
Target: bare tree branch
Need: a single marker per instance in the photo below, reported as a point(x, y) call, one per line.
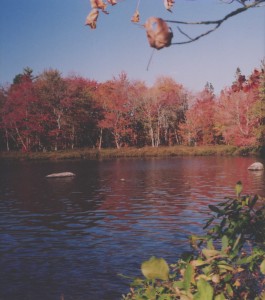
point(184, 33)
point(217, 23)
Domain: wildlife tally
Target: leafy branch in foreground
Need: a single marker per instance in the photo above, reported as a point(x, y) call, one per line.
point(228, 262)
point(158, 33)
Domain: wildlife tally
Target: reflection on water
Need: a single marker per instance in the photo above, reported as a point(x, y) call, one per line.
point(73, 236)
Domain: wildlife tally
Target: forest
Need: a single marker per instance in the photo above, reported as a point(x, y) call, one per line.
point(50, 112)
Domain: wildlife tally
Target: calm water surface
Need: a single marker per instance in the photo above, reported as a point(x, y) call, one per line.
point(70, 238)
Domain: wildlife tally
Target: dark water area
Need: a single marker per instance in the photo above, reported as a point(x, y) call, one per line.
point(70, 238)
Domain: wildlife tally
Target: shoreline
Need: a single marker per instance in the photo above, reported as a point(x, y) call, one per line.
point(165, 151)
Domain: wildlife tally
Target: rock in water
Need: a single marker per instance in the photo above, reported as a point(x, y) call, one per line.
point(62, 174)
point(257, 166)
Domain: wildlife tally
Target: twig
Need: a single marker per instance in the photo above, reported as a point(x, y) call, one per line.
point(217, 23)
point(150, 59)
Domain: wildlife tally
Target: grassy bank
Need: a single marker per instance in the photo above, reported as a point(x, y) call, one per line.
point(89, 153)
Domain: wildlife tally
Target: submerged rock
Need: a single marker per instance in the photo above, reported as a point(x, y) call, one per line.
point(62, 174)
point(257, 166)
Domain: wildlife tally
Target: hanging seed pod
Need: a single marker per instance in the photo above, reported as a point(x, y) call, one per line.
point(158, 33)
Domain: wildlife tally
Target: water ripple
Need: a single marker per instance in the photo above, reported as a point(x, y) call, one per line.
point(73, 237)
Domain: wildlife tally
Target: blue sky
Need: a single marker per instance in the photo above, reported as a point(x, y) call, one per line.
point(51, 34)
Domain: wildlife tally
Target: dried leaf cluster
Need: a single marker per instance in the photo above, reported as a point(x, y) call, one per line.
point(97, 5)
point(159, 35)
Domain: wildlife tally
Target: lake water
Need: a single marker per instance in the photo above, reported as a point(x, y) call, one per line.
point(70, 238)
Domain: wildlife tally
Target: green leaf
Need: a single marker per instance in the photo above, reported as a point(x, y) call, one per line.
point(215, 209)
point(155, 268)
point(225, 243)
point(245, 260)
point(210, 253)
point(238, 188)
point(262, 267)
point(253, 201)
point(150, 292)
point(210, 244)
point(208, 222)
point(229, 290)
point(178, 284)
point(199, 262)
point(228, 277)
point(262, 296)
point(205, 290)
point(219, 297)
point(236, 242)
point(223, 222)
point(137, 282)
point(225, 266)
point(185, 297)
point(165, 297)
point(188, 277)
point(194, 239)
point(207, 270)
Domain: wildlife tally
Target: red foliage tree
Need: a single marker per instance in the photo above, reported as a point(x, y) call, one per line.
point(113, 96)
point(199, 125)
point(19, 114)
point(4, 137)
point(51, 91)
point(161, 111)
point(239, 115)
point(82, 112)
point(51, 112)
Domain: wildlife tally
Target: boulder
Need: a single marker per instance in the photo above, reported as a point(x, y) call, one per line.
point(62, 174)
point(257, 166)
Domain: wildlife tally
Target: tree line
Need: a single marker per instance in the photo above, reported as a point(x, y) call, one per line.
point(50, 112)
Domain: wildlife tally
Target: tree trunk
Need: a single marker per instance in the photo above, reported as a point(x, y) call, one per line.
point(117, 142)
point(7, 140)
point(100, 139)
point(21, 140)
point(151, 131)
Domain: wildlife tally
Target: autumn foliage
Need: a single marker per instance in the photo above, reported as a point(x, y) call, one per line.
point(50, 112)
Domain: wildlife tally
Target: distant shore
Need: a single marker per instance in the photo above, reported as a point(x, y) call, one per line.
point(92, 154)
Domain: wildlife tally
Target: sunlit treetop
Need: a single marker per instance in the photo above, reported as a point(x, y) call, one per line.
point(159, 34)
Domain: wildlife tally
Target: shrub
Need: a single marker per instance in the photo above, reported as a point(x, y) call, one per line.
point(228, 262)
